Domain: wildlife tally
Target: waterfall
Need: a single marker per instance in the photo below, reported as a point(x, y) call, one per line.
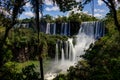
point(66, 50)
point(71, 50)
point(62, 28)
point(54, 29)
point(69, 29)
point(89, 32)
point(56, 51)
point(62, 56)
point(48, 28)
point(65, 28)
point(99, 30)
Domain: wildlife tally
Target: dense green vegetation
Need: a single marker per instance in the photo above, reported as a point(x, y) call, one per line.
point(23, 40)
point(27, 73)
point(21, 46)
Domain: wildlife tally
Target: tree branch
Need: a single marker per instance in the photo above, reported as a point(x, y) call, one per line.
point(107, 3)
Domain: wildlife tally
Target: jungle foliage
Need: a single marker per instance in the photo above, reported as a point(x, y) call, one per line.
point(23, 41)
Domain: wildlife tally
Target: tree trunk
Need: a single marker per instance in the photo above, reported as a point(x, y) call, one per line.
point(3, 41)
point(112, 7)
point(37, 22)
point(116, 19)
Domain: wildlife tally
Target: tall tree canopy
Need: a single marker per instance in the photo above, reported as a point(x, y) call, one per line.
point(10, 9)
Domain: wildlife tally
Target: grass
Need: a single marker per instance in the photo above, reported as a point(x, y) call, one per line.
point(19, 66)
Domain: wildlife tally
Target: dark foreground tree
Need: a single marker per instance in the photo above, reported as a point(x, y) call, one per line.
point(37, 7)
point(113, 6)
point(10, 9)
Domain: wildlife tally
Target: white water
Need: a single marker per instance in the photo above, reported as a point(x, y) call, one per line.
point(88, 33)
point(63, 57)
point(54, 29)
point(71, 50)
point(56, 56)
point(65, 29)
point(62, 28)
point(66, 49)
point(51, 28)
point(48, 28)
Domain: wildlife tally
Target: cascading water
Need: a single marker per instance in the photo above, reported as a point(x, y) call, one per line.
point(48, 28)
point(51, 28)
point(89, 32)
point(54, 29)
point(66, 50)
point(68, 29)
point(62, 29)
point(71, 50)
point(62, 56)
point(56, 51)
point(65, 28)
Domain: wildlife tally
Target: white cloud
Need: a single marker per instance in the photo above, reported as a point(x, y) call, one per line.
point(117, 3)
point(54, 8)
point(75, 10)
point(29, 14)
point(40, 14)
point(48, 2)
point(2, 10)
point(56, 16)
point(28, 4)
point(78, 11)
point(98, 15)
point(78, 0)
point(99, 10)
point(100, 2)
point(85, 12)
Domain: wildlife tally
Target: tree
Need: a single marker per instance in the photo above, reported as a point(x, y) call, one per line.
point(13, 8)
point(74, 17)
point(66, 5)
point(37, 7)
point(47, 18)
point(112, 6)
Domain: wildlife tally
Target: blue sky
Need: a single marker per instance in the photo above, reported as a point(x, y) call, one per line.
point(100, 10)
